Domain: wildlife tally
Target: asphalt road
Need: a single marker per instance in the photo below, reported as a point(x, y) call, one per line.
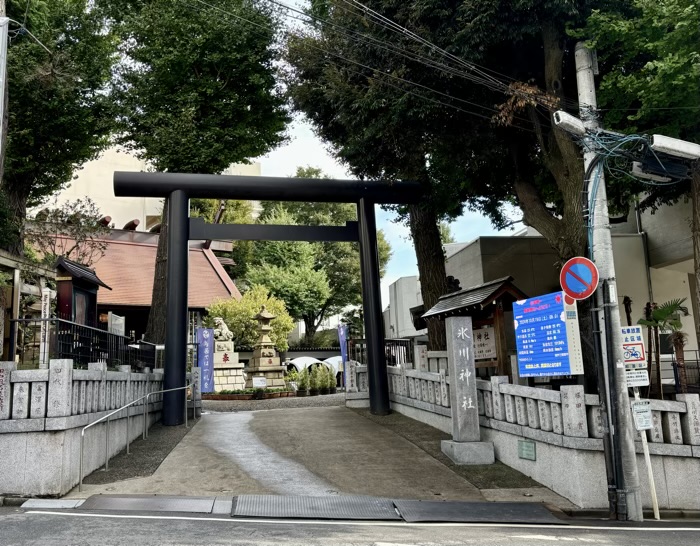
point(47, 528)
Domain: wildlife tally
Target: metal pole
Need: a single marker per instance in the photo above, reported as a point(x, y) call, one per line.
point(128, 436)
point(145, 414)
point(107, 446)
point(603, 388)
point(82, 441)
point(602, 255)
point(371, 301)
point(176, 327)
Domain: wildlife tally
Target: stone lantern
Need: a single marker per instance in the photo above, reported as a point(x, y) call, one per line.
point(265, 362)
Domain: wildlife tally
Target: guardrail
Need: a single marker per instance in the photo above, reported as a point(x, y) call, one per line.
point(128, 440)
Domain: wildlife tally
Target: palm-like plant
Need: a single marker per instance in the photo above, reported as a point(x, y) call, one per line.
point(667, 317)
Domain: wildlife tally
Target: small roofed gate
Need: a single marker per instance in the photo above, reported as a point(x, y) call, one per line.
point(180, 187)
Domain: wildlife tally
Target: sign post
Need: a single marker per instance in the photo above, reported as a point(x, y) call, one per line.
point(637, 376)
point(45, 328)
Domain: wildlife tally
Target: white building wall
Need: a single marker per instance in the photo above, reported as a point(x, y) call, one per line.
point(95, 180)
point(403, 294)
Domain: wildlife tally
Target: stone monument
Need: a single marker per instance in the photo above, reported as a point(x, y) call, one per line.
point(228, 371)
point(265, 362)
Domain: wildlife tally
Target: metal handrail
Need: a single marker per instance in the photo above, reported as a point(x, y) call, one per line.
point(145, 425)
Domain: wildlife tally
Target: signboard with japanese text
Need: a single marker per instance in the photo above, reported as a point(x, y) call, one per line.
point(259, 382)
point(641, 411)
point(547, 336)
point(633, 348)
point(637, 378)
point(44, 332)
point(485, 343)
point(205, 357)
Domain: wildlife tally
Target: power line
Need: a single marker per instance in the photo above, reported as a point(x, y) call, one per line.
point(236, 16)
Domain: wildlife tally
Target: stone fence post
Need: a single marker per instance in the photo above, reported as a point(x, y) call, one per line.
point(690, 420)
point(6, 369)
point(60, 388)
point(466, 446)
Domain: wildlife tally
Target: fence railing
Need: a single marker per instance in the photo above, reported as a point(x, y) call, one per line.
point(396, 351)
point(41, 340)
point(557, 416)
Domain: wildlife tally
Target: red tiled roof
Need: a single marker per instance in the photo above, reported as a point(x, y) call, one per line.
point(128, 267)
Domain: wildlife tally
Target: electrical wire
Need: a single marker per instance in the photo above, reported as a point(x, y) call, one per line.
point(374, 70)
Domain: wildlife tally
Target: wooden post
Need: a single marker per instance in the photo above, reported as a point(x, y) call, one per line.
point(499, 326)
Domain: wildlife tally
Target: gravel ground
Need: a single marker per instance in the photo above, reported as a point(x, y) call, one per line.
point(146, 456)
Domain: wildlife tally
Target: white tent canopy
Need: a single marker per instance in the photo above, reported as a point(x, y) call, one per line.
point(303, 362)
point(335, 363)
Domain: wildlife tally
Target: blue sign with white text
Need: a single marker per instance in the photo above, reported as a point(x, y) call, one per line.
point(541, 336)
point(205, 357)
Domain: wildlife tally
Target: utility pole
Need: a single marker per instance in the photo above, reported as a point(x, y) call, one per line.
point(4, 38)
point(629, 496)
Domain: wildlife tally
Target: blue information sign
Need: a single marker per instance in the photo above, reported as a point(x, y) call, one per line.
point(205, 357)
point(547, 337)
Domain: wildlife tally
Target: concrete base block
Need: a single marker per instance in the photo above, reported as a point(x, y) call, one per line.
point(469, 452)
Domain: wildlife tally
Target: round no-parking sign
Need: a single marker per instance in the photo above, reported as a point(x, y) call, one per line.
point(579, 278)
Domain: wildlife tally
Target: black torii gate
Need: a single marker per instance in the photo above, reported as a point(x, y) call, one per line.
point(180, 187)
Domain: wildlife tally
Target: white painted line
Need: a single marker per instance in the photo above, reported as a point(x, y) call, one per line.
point(562, 527)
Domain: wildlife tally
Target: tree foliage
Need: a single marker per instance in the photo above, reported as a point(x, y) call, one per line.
point(73, 230)
point(352, 84)
point(59, 113)
point(238, 316)
point(287, 269)
point(339, 262)
point(652, 82)
point(196, 93)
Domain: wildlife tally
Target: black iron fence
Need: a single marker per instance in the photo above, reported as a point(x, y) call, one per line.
point(396, 351)
point(692, 371)
point(39, 340)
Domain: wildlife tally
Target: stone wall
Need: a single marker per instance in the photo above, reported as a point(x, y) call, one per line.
point(42, 414)
point(566, 427)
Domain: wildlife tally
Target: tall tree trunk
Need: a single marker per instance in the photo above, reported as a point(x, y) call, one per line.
point(431, 268)
point(155, 329)
point(678, 347)
point(311, 326)
point(16, 201)
point(695, 230)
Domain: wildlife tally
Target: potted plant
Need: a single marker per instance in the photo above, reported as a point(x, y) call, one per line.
point(291, 380)
point(259, 394)
point(332, 385)
point(314, 381)
point(303, 383)
point(323, 380)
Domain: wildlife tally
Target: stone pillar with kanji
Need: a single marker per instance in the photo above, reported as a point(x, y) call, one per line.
point(265, 362)
point(228, 371)
point(466, 446)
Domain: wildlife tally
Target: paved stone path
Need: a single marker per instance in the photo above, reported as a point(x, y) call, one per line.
point(309, 451)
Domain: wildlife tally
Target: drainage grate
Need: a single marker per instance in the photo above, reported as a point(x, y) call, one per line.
point(353, 507)
point(149, 503)
point(414, 511)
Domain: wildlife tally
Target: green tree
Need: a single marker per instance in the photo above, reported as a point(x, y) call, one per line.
point(666, 317)
point(652, 85)
point(340, 261)
point(197, 93)
point(59, 115)
point(446, 236)
point(287, 270)
point(353, 88)
point(228, 211)
point(238, 316)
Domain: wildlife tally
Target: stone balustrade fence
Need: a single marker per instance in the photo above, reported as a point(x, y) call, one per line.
point(42, 413)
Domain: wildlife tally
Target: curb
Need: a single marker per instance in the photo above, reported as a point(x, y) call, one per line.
point(668, 514)
point(13, 501)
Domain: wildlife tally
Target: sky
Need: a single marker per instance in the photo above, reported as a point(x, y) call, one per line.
point(305, 149)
